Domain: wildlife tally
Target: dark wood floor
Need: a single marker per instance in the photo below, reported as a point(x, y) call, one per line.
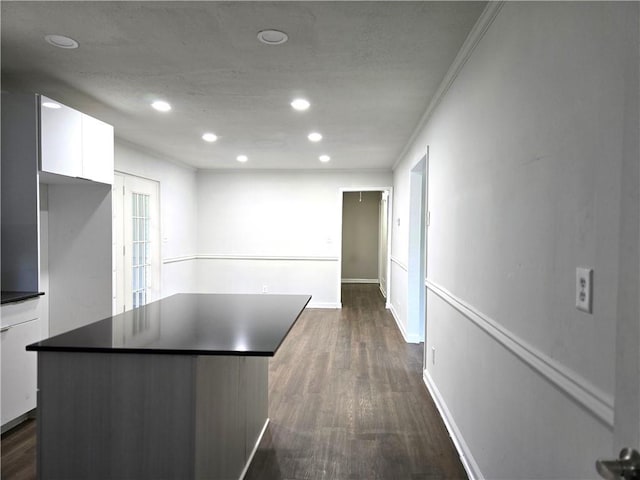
point(346, 401)
point(18, 460)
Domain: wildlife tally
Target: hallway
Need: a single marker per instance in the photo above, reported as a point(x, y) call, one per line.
point(347, 401)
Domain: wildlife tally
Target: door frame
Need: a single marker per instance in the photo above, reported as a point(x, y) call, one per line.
point(341, 192)
point(118, 262)
point(417, 251)
point(626, 407)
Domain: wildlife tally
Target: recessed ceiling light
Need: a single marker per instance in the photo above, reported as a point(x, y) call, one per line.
point(272, 37)
point(300, 104)
point(61, 41)
point(209, 137)
point(161, 106)
point(242, 158)
point(324, 158)
point(314, 137)
point(53, 105)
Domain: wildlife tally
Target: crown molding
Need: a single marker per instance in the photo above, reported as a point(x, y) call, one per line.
point(475, 35)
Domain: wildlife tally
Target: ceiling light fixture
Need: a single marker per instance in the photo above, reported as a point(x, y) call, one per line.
point(300, 104)
point(242, 158)
point(324, 158)
point(210, 137)
point(61, 41)
point(272, 37)
point(161, 106)
point(53, 105)
point(314, 137)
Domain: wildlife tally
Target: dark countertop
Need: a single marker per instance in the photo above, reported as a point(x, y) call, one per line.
point(13, 297)
point(190, 324)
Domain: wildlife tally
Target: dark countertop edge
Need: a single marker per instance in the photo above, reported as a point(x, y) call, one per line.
point(15, 297)
point(292, 324)
point(36, 347)
point(145, 351)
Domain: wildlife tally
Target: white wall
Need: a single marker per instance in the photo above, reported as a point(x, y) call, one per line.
point(179, 210)
point(275, 229)
point(360, 236)
point(398, 297)
point(78, 247)
point(526, 164)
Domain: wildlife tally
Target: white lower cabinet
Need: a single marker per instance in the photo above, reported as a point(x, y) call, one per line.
point(19, 369)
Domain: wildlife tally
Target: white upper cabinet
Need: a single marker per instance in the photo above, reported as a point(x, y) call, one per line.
point(74, 144)
point(60, 139)
point(97, 150)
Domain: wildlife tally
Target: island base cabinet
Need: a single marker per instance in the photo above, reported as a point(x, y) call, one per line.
point(149, 416)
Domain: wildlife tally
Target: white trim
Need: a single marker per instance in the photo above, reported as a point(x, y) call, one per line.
point(337, 305)
point(267, 257)
point(255, 449)
point(364, 189)
point(468, 462)
point(597, 402)
point(300, 171)
point(399, 263)
point(186, 258)
point(360, 280)
point(477, 32)
point(383, 292)
point(389, 191)
point(407, 338)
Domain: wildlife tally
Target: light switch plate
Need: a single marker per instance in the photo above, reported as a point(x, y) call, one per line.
point(584, 289)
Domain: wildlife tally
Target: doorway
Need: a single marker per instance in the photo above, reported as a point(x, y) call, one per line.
point(136, 231)
point(417, 263)
point(365, 238)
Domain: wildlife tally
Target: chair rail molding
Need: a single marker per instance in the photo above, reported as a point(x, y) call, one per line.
point(397, 262)
point(301, 258)
point(577, 388)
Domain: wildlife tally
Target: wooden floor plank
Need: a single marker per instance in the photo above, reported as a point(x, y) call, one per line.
point(18, 461)
point(346, 401)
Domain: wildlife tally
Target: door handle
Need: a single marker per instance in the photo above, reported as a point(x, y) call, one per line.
point(627, 467)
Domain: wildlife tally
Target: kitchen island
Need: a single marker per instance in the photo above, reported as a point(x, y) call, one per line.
point(175, 389)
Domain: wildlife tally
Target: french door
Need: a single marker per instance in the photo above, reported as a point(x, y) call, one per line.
point(136, 218)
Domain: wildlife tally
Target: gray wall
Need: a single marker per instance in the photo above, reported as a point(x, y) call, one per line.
point(360, 232)
point(533, 172)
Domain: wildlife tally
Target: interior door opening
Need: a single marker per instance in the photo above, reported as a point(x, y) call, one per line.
point(365, 238)
point(417, 261)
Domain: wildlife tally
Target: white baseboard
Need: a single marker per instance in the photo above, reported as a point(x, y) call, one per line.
point(360, 280)
point(325, 305)
point(383, 291)
point(409, 338)
point(468, 462)
point(253, 452)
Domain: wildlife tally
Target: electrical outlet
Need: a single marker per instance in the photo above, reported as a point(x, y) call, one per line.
point(584, 292)
point(265, 289)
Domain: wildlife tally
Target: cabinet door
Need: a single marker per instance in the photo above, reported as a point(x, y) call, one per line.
point(60, 139)
point(97, 150)
point(19, 369)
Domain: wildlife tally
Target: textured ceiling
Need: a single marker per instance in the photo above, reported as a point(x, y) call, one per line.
point(369, 70)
